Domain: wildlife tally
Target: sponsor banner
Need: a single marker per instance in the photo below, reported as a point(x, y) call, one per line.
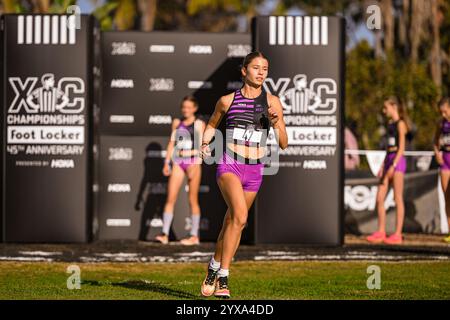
point(132, 192)
point(46, 128)
point(45, 135)
point(310, 90)
point(421, 198)
point(145, 76)
point(315, 136)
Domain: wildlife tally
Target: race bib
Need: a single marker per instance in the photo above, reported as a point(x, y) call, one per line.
point(184, 144)
point(446, 139)
point(250, 134)
point(391, 141)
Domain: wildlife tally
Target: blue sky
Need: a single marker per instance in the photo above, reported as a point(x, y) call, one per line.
point(87, 6)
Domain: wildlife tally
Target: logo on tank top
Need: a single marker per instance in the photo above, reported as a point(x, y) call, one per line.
point(319, 97)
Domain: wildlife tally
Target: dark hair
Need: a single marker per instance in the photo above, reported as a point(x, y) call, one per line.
point(191, 99)
point(401, 110)
point(252, 55)
point(445, 100)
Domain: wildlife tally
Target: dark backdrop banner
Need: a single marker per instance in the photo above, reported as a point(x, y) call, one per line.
point(133, 192)
point(46, 127)
point(420, 197)
point(145, 76)
point(303, 202)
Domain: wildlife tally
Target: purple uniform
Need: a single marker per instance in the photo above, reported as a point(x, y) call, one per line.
point(392, 148)
point(247, 123)
point(445, 144)
point(184, 141)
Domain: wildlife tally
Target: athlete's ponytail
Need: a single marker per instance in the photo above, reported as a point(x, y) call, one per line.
point(402, 112)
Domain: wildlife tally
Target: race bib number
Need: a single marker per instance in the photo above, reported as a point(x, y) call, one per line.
point(250, 134)
point(445, 140)
point(184, 144)
point(391, 141)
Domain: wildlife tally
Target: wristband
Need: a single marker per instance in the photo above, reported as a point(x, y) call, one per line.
point(166, 161)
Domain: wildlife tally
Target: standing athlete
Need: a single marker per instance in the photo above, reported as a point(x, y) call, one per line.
point(442, 153)
point(185, 158)
point(392, 171)
point(249, 113)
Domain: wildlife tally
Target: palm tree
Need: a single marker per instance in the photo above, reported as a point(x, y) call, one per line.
point(388, 22)
point(147, 9)
point(435, 54)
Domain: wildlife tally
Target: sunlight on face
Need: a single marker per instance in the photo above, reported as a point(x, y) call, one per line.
point(389, 109)
point(188, 108)
point(257, 70)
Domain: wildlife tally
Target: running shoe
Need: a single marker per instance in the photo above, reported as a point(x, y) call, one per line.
point(377, 237)
point(190, 241)
point(394, 239)
point(162, 238)
point(222, 290)
point(447, 239)
point(209, 284)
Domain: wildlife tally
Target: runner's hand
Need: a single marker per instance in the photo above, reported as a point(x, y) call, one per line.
point(205, 152)
point(440, 158)
point(166, 170)
point(273, 116)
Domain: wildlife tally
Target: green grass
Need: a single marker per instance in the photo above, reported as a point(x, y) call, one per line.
point(248, 280)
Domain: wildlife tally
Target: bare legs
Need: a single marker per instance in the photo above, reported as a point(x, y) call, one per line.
point(238, 202)
point(398, 183)
point(445, 178)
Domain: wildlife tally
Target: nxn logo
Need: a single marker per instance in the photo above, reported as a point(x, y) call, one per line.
point(121, 118)
point(55, 29)
point(298, 30)
point(162, 48)
point(65, 97)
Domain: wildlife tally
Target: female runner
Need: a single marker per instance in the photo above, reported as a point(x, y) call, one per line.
point(249, 112)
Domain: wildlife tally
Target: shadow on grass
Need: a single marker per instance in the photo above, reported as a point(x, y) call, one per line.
point(155, 287)
point(146, 286)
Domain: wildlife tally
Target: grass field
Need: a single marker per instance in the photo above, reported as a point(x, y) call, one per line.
point(248, 280)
